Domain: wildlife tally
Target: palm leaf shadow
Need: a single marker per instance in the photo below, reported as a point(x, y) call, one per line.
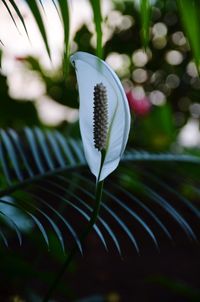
point(44, 177)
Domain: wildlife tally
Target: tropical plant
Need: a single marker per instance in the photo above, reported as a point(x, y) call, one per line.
point(42, 172)
point(45, 183)
point(188, 11)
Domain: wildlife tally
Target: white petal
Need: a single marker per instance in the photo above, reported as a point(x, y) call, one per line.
point(90, 71)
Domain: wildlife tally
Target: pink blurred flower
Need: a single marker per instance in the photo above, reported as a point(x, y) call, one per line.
point(140, 106)
point(20, 58)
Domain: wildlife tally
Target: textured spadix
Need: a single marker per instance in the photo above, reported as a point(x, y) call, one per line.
point(91, 71)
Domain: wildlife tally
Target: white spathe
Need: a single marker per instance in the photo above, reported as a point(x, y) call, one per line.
point(90, 70)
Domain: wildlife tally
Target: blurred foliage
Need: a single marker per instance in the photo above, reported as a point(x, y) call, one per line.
point(176, 286)
point(189, 14)
point(159, 67)
point(57, 87)
point(156, 131)
point(15, 113)
point(164, 73)
point(145, 12)
point(96, 6)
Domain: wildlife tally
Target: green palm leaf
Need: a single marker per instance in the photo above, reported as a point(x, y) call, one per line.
point(189, 13)
point(145, 14)
point(96, 7)
point(15, 7)
point(34, 8)
point(63, 12)
point(44, 176)
point(64, 9)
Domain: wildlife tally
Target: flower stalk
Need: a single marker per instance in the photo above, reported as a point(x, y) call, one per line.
point(100, 137)
point(72, 254)
point(104, 126)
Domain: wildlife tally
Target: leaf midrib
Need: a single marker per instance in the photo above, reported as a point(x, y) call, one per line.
point(39, 177)
point(126, 158)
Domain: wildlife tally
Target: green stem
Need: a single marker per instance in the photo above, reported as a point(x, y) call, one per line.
point(93, 219)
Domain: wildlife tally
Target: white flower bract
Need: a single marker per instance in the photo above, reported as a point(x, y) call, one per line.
point(90, 70)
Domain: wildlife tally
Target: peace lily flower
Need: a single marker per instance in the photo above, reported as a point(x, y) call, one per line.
point(104, 114)
point(104, 119)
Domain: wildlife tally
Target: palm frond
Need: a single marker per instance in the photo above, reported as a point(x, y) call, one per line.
point(64, 9)
point(145, 14)
point(10, 13)
point(44, 176)
point(34, 8)
point(189, 13)
point(185, 8)
point(96, 7)
point(16, 9)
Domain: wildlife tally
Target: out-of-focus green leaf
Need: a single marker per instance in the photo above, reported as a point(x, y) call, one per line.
point(64, 9)
point(15, 7)
point(15, 113)
point(33, 6)
point(82, 39)
point(10, 13)
point(190, 15)
point(56, 7)
point(181, 288)
point(157, 130)
point(58, 88)
point(145, 14)
point(96, 7)
point(42, 5)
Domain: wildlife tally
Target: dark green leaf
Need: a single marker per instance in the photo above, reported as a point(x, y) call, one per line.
point(145, 14)
point(12, 2)
point(189, 12)
point(33, 6)
point(10, 13)
point(33, 163)
point(11, 153)
point(64, 9)
point(96, 7)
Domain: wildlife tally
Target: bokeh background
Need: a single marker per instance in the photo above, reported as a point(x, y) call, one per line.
point(162, 83)
point(163, 91)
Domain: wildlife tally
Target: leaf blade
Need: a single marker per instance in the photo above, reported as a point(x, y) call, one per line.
point(96, 8)
point(189, 12)
point(145, 14)
point(33, 6)
point(64, 9)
